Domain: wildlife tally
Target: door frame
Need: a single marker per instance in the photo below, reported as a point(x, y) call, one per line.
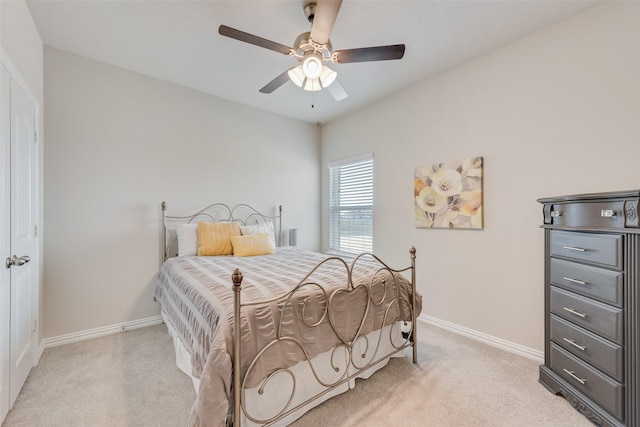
point(36, 307)
point(5, 249)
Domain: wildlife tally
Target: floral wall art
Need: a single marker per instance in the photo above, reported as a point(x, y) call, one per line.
point(449, 195)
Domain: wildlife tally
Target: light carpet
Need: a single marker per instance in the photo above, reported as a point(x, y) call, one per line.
point(130, 379)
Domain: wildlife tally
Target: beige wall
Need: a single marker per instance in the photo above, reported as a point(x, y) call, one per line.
point(22, 44)
point(555, 113)
point(119, 143)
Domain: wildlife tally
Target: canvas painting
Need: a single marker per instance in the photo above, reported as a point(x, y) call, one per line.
point(449, 195)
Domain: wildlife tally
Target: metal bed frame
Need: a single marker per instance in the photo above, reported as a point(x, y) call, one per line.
point(348, 345)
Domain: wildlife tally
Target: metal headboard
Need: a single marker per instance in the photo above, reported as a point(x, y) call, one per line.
point(216, 212)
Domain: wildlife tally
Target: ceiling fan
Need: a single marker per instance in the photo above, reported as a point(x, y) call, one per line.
point(313, 50)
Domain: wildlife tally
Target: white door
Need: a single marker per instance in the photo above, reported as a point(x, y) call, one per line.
point(5, 240)
point(23, 239)
point(17, 240)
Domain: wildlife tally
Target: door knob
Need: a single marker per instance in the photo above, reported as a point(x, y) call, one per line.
point(17, 261)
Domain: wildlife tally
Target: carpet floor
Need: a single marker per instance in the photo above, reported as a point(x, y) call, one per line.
point(130, 380)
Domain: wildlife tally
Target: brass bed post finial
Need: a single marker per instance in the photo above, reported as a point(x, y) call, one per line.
point(236, 277)
point(414, 326)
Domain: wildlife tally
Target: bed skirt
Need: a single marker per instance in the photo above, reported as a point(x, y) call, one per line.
point(270, 403)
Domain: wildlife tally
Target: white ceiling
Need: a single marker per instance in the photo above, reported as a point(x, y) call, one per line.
point(178, 41)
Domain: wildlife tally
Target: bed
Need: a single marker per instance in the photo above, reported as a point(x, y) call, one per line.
point(310, 323)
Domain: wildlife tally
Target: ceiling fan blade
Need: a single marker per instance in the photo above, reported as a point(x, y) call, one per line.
point(365, 54)
point(323, 20)
point(337, 91)
point(276, 83)
point(254, 40)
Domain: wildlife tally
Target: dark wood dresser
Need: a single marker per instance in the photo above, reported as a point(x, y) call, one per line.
point(592, 304)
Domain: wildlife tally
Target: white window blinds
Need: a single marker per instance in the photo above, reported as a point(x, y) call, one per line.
point(351, 205)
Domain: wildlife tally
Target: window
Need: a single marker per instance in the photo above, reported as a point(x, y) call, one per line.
point(351, 205)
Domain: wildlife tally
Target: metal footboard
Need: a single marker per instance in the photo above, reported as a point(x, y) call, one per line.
point(393, 306)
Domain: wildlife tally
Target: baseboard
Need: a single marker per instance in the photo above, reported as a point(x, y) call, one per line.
point(511, 347)
point(98, 332)
point(520, 350)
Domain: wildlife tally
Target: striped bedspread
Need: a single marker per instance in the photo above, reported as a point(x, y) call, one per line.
point(196, 296)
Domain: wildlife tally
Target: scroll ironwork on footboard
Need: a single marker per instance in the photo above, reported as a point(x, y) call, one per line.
point(376, 308)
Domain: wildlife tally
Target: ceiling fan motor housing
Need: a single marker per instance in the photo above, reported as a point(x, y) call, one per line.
point(304, 46)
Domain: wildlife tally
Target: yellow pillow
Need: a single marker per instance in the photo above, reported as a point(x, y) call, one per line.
point(252, 244)
point(214, 238)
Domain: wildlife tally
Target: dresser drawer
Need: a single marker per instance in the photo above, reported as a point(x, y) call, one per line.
point(603, 249)
point(600, 353)
point(607, 392)
point(609, 214)
point(599, 283)
point(595, 316)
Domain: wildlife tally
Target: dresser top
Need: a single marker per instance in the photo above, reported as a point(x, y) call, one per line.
point(614, 211)
point(591, 197)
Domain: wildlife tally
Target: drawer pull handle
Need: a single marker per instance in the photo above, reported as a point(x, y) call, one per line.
point(607, 213)
point(573, 343)
point(573, 248)
point(579, 282)
point(575, 312)
point(573, 375)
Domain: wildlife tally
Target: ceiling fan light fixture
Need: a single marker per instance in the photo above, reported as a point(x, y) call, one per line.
point(312, 85)
point(297, 75)
point(327, 76)
point(312, 67)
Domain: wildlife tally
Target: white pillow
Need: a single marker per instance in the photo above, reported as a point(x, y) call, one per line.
point(187, 239)
point(264, 227)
